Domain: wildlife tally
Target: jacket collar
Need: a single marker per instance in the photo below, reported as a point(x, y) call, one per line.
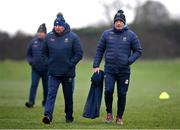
point(38, 39)
point(121, 30)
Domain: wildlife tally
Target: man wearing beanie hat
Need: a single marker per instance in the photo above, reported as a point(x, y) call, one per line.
point(60, 21)
point(36, 58)
point(122, 48)
point(64, 51)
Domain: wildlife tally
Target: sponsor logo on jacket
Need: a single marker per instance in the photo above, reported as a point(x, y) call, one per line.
point(35, 46)
point(52, 39)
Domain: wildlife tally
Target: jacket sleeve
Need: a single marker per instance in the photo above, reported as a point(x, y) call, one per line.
point(46, 50)
point(77, 51)
point(29, 53)
point(101, 47)
point(136, 49)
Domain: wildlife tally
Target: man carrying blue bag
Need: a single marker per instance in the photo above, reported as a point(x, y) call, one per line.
point(122, 48)
point(93, 103)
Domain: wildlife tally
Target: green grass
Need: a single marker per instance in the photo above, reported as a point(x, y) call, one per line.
point(144, 109)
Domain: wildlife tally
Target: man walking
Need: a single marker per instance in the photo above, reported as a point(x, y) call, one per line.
point(122, 48)
point(36, 58)
point(64, 52)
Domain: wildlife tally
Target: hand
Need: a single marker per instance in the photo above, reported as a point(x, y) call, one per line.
point(97, 69)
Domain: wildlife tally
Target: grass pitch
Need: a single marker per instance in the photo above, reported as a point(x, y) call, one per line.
point(143, 110)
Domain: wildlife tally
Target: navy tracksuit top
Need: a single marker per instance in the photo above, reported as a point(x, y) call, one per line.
point(63, 52)
point(121, 48)
point(36, 54)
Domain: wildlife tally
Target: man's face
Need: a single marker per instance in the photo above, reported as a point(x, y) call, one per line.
point(59, 29)
point(119, 24)
point(41, 35)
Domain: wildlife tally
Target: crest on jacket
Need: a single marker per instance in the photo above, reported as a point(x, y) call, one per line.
point(52, 39)
point(66, 40)
point(124, 39)
point(35, 46)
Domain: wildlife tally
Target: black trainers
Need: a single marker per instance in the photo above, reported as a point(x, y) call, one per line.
point(70, 120)
point(46, 120)
point(28, 105)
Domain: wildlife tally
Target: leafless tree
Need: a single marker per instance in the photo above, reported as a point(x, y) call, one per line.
point(152, 12)
point(115, 5)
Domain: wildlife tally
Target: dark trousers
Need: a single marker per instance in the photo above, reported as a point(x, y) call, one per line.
point(73, 85)
point(35, 77)
point(122, 81)
point(53, 85)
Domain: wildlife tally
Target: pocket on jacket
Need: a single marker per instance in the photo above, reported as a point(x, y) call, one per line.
point(71, 65)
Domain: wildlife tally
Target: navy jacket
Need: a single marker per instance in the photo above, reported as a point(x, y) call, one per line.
point(121, 48)
point(63, 52)
point(36, 54)
point(93, 103)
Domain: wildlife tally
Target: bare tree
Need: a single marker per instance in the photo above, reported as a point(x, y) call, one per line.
point(109, 7)
point(115, 5)
point(152, 12)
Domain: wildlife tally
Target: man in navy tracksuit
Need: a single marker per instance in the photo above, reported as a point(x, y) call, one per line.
point(122, 48)
point(64, 52)
point(36, 58)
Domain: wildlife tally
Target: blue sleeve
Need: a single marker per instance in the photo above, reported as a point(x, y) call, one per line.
point(46, 50)
point(136, 49)
point(101, 47)
point(29, 53)
point(77, 51)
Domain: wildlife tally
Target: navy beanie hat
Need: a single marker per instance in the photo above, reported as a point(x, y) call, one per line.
point(42, 28)
point(60, 20)
point(120, 16)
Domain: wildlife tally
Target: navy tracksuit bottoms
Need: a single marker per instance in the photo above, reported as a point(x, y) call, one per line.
point(53, 85)
point(35, 77)
point(122, 81)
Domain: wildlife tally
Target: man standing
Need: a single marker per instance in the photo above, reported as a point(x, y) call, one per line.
point(64, 52)
point(36, 58)
point(122, 48)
